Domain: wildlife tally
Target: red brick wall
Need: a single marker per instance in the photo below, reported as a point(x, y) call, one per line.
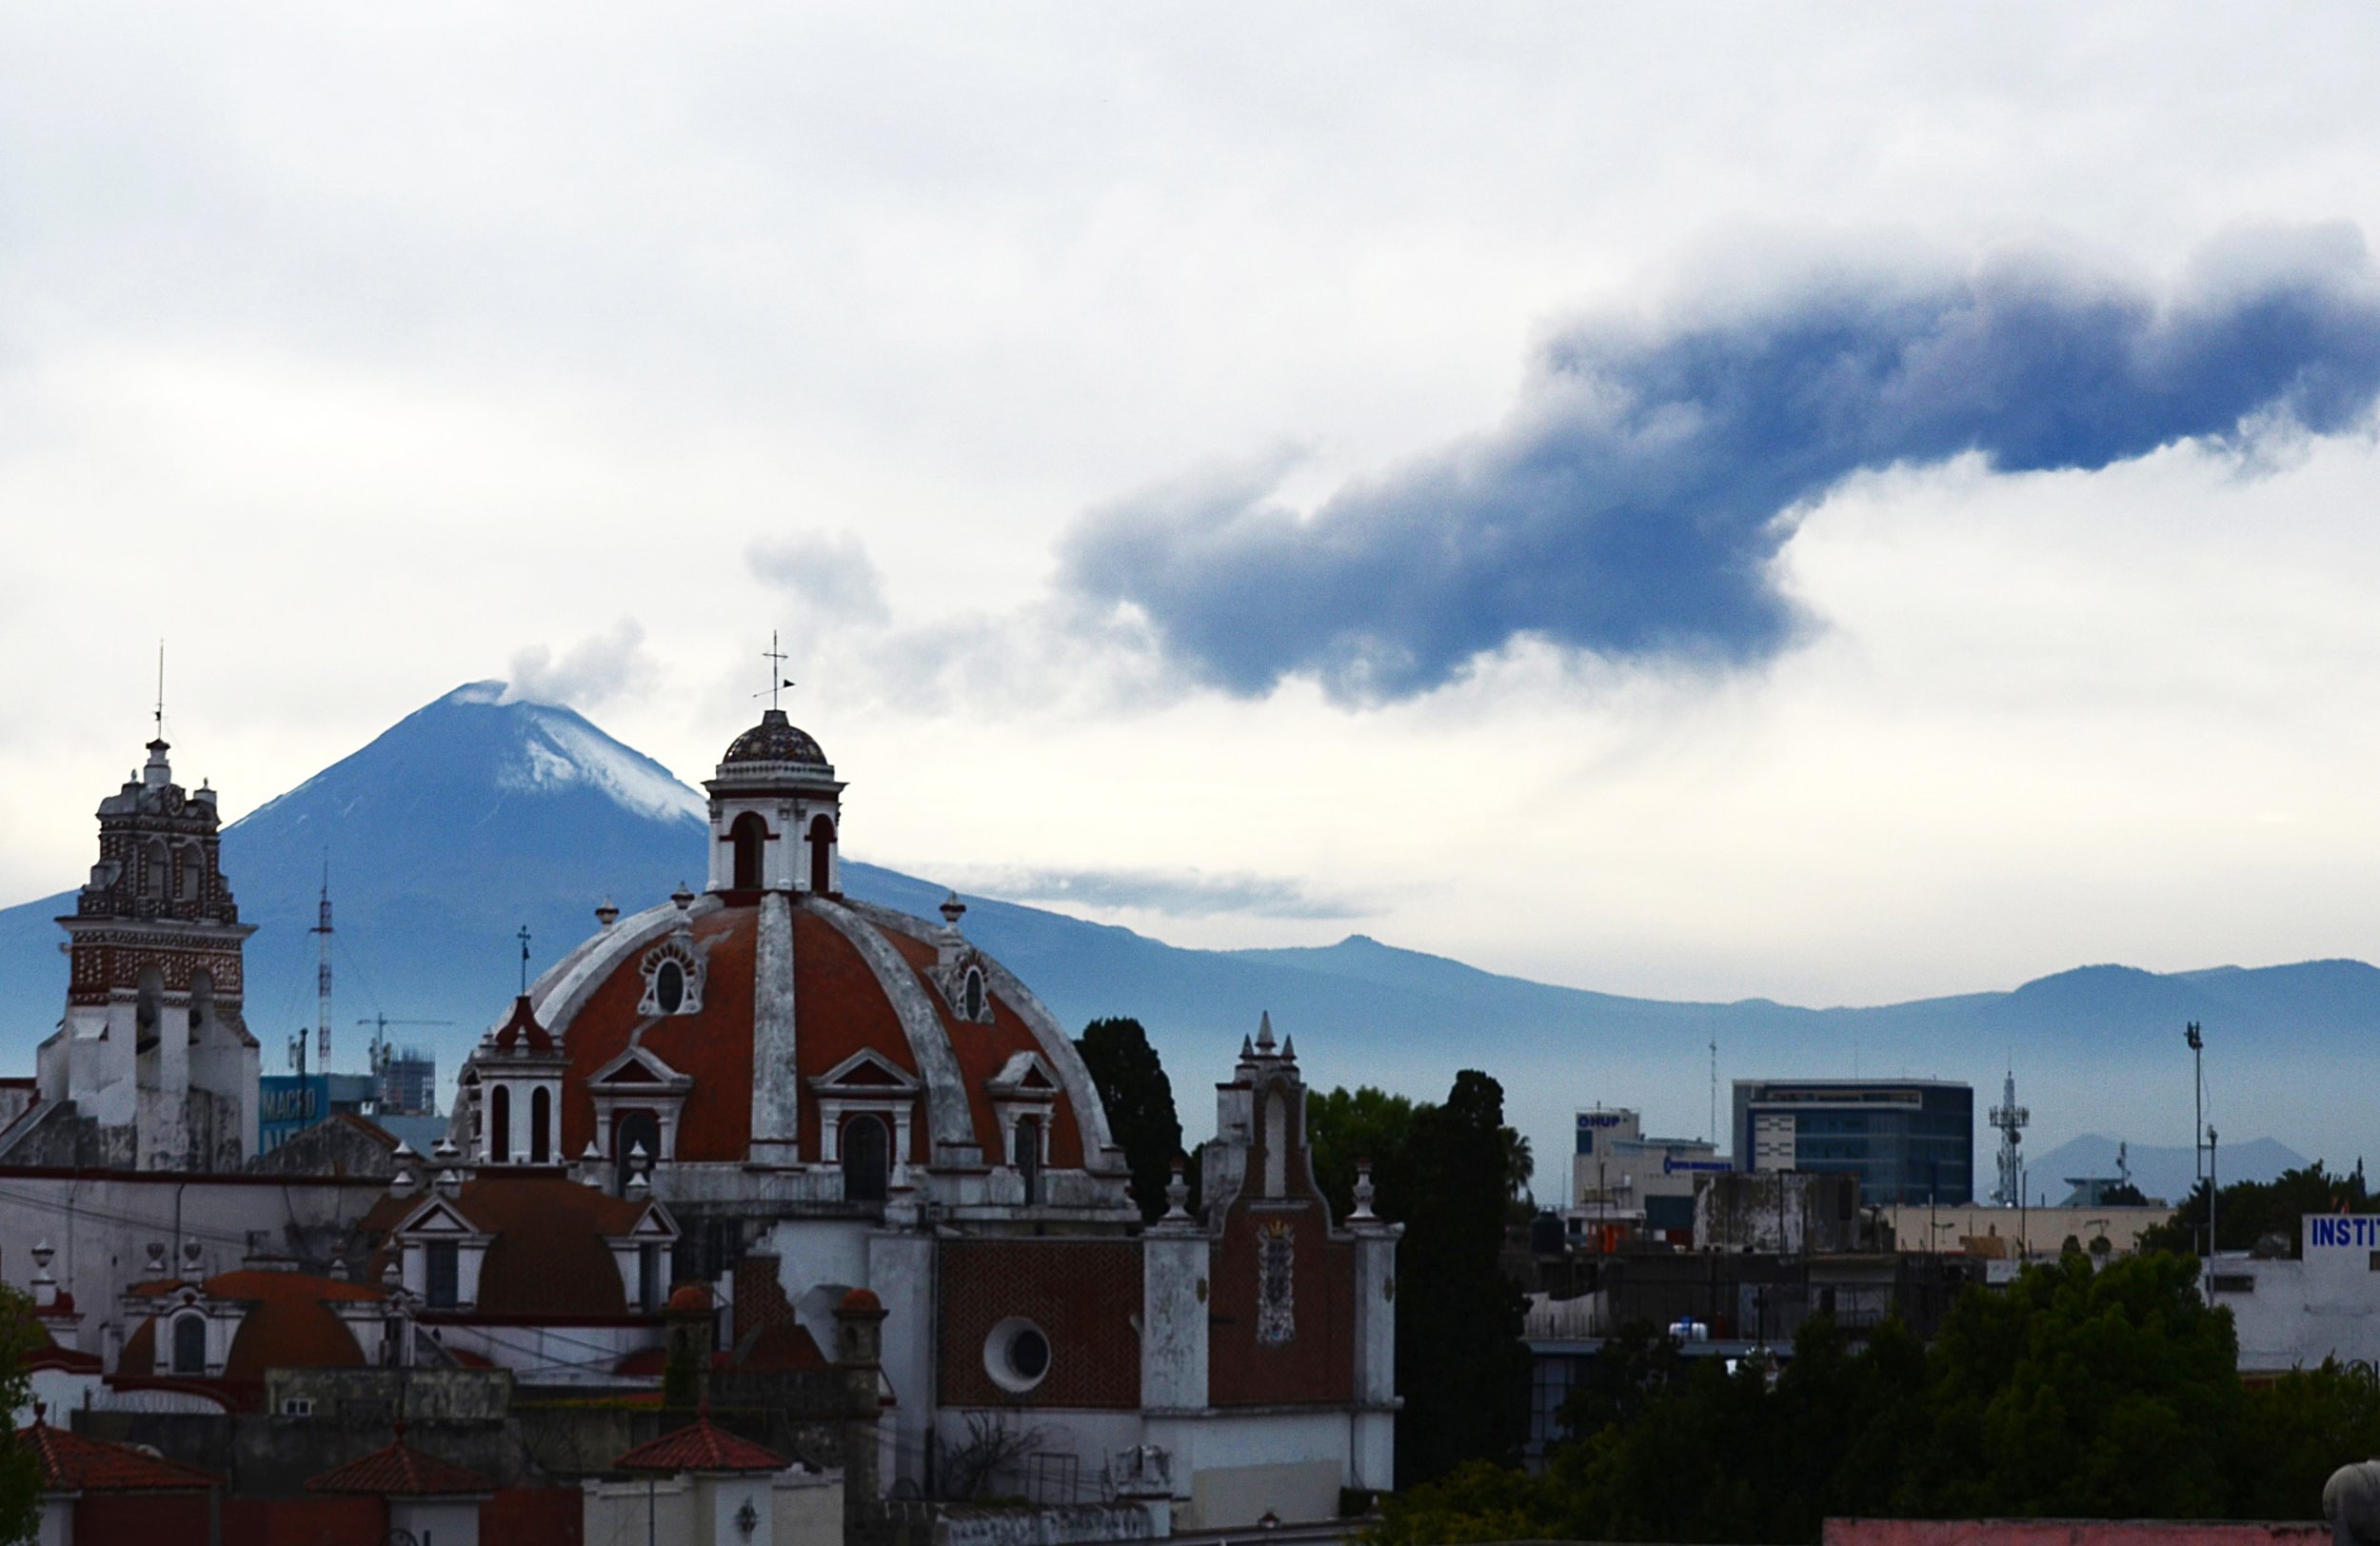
point(1083, 1293)
point(533, 1516)
point(290, 1521)
point(1317, 1363)
point(101, 1518)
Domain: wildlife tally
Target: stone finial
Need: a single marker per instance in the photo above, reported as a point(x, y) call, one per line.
point(606, 913)
point(404, 1151)
point(1177, 1196)
point(42, 1252)
point(391, 1279)
point(403, 1184)
point(1289, 1049)
point(683, 897)
point(156, 1258)
point(339, 1268)
point(1364, 1191)
point(953, 909)
point(190, 1249)
point(448, 1184)
point(445, 1151)
point(1247, 1052)
point(1264, 1032)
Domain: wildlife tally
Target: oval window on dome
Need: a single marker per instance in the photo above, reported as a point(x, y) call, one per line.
point(975, 994)
point(669, 987)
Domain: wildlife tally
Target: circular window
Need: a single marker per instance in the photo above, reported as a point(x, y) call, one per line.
point(669, 987)
point(1016, 1355)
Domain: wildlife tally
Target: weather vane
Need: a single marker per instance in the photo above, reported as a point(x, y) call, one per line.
point(777, 679)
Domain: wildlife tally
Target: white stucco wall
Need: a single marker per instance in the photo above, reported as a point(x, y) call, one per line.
point(2293, 1313)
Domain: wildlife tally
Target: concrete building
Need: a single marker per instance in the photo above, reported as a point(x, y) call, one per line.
point(2295, 1312)
point(1908, 1140)
point(2007, 1237)
point(1622, 1179)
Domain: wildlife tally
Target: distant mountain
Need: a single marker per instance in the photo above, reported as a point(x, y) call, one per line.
point(2159, 1171)
point(478, 815)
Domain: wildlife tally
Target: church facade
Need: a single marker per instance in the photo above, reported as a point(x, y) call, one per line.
point(829, 1096)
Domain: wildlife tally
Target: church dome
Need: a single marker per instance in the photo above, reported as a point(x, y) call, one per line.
point(776, 738)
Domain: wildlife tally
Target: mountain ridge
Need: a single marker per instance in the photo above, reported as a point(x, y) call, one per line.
point(478, 814)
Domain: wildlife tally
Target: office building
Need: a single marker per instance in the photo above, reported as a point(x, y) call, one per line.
point(1907, 1139)
point(1620, 1180)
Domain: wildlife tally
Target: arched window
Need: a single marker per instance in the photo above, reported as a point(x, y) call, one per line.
point(153, 872)
point(188, 872)
point(750, 838)
point(1028, 1157)
point(668, 987)
point(189, 1345)
point(148, 1009)
point(541, 1125)
point(202, 1005)
point(821, 856)
point(866, 1160)
point(637, 1129)
point(500, 1125)
point(974, 994)
point(1276, 1145)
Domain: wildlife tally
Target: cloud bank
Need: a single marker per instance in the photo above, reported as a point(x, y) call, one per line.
point(1181, 893)
point(1633, 504)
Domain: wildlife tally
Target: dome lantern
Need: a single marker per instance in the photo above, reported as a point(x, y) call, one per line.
point(776, 813)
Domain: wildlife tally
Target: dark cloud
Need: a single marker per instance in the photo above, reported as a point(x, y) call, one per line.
point(1184, 893)
point(1633, 504)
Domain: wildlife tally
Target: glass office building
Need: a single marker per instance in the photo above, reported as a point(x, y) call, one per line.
point(1907, 1139)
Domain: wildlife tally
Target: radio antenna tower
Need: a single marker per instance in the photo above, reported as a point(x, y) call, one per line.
point(322, 976)
point(2011, 1120)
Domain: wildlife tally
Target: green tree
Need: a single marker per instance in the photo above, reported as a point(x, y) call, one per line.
point(1461, 1366)
point(1139, 1101)
point(2248, 1211)
point(1344, 1127)
point(19, 1474)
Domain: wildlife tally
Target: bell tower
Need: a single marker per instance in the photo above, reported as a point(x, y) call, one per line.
point(153, 1052)
point(776, 813)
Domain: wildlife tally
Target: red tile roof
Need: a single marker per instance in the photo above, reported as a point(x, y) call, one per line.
point(701, 1445)
point(289, 1325)
point(401, 1471)
point(72, 1463)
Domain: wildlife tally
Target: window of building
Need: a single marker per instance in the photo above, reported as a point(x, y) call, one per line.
point(749, 836)
point(1016, 1356)
point(443, 1260)
point(189, 1345)
point(297, 1406)
point(821, 856)
point(648, 1293)
point(500, 1125)
point(541, 1125)
point(1027, 1150)
point(974, 995)
point(637, 1130)
point(866, 1160)
point(668, 986)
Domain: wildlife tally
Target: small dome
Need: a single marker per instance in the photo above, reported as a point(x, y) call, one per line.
point(859, 1300)
point(689, 1297)
point(776, 738)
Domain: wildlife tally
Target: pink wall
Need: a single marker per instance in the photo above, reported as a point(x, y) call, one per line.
point(2070, 1533)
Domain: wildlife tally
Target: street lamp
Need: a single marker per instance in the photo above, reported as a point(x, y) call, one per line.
point(2199, 1118)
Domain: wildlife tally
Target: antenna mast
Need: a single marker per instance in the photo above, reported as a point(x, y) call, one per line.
point(321, 975)
point(1714, 1089)
point(2011, 1120)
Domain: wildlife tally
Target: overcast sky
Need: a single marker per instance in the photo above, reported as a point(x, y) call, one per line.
point(1699, 501)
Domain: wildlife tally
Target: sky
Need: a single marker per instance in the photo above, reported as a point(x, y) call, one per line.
point(1841, 504)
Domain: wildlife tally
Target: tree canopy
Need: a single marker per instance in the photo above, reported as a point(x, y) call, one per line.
point(2078, 1392)
point(1139, 1102)
point(2248, 1211)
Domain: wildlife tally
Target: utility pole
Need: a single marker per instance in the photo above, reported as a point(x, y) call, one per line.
point(2198, 1117)
point(2211, 1191)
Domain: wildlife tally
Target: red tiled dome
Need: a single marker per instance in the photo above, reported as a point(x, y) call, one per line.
point(862, 1299)
point(691, 1297)
point(864, 980)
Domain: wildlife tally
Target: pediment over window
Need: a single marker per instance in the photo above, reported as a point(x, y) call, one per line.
point(437, 1217)
point(638, 1068)
point(1024, 1076)
point(866, 1073)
